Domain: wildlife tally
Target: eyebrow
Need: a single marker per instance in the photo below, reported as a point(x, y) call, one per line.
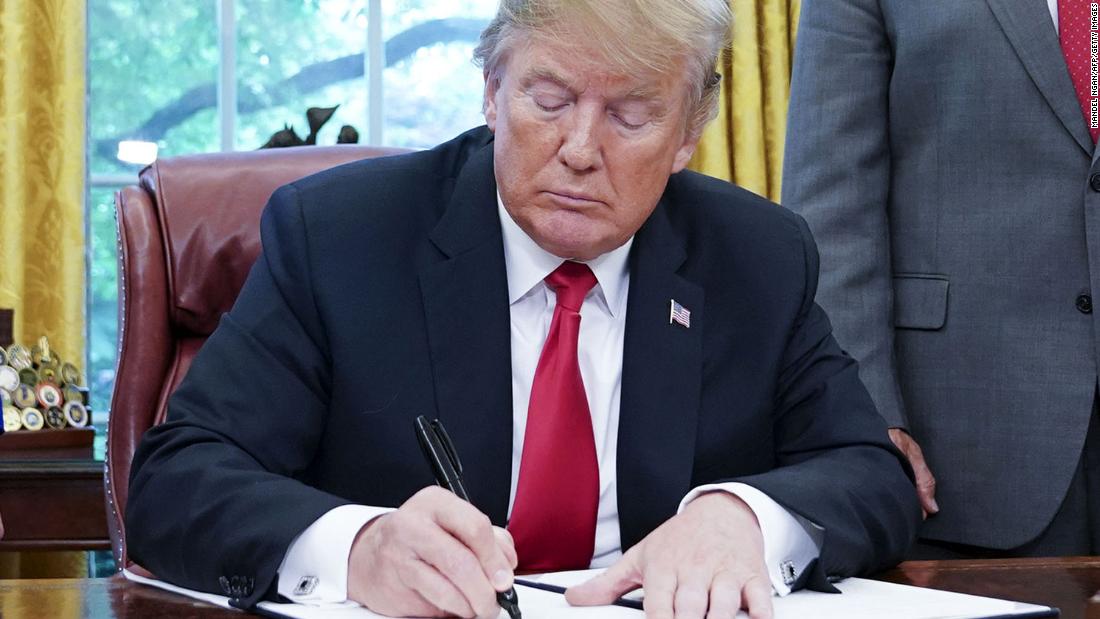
point(645, 93)
point(548, 75)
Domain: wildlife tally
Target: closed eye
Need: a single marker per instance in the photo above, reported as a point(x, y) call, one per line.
point(549, 105)
point(622, 120)
point(631, 121)
point(549, 96)
point(632, 115)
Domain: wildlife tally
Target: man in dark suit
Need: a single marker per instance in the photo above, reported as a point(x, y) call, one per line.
point(627, 356)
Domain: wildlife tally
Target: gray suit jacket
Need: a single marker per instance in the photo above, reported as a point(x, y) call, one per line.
point(940, 156)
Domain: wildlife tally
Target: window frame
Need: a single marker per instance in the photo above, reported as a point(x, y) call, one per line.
point(226, 114)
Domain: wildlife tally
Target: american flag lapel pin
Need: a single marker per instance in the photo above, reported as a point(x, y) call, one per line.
point(679, 314)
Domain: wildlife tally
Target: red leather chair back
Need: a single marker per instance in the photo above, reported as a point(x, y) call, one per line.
point(188, 234)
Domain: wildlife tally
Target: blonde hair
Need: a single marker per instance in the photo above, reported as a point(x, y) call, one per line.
point(631, 34)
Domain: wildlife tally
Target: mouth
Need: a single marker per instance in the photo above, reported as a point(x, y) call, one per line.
point(573, 199)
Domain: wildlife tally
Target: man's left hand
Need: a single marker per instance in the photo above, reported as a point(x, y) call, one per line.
point(707, 561)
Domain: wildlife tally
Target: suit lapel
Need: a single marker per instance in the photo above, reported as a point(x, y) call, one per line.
point(662, 375)
point(1030, 31)
point(466, 310)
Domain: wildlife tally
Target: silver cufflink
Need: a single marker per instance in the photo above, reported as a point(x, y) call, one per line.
point(789, 573)
point(306, 585)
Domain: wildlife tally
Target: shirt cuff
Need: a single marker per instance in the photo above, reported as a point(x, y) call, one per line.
point(315, 568)
point(790, 541)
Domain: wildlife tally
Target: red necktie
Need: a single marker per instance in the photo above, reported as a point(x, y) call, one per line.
point(553, 518)
point(1076, 31)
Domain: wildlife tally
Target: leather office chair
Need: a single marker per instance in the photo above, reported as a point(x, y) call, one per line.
point(188, 234)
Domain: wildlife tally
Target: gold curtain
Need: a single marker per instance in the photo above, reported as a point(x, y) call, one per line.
point(744, 144)
point(42, 196)
point(42, 170)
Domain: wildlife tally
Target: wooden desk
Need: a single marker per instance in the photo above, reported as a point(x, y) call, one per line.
point(98, 598)
point(52, 499)
point(1065, 583)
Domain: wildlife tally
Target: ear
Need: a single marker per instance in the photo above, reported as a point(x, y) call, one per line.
point(489, 103)
point(684, 153)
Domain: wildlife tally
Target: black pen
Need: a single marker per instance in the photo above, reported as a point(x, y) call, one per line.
point(447, 469)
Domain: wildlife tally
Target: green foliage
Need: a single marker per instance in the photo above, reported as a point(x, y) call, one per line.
point(151, 59)
point(276, 41)
point(142, 56)
point(102, 299)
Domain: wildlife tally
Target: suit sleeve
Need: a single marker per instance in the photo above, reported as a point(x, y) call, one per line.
point(836, 466)
point(836, 174)
point(216, 494)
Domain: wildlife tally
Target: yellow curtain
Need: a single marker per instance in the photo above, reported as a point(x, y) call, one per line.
point(744, 144)
point(42, 196)
point(42, 170)
point(43, 564)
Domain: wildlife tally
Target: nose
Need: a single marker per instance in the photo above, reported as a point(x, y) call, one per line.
point(580, 148)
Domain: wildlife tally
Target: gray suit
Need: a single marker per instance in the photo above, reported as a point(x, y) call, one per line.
point(939, 154)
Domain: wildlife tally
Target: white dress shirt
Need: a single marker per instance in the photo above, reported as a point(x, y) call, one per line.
point(1052, 6)
point(319, 556)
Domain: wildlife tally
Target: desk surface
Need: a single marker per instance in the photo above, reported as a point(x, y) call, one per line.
point(1066, 583)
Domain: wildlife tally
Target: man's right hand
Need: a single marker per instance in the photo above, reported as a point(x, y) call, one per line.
point(926, 482)
point(435, 556)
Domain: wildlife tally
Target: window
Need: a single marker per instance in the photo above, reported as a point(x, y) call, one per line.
point(214, 75)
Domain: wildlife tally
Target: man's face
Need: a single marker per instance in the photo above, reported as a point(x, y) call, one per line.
point(583, 153)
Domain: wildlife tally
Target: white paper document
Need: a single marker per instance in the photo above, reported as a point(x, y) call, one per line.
point(859, 598)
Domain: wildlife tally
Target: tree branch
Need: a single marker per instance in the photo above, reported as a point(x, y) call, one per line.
point(311, 78)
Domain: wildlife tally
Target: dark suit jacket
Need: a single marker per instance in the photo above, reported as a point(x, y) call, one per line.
point(380, 295)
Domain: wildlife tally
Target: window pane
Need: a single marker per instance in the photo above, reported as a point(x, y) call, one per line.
point(295, 54)
point(152, 67)
point(152, 72)
point(432, 89)
point(102, 299)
